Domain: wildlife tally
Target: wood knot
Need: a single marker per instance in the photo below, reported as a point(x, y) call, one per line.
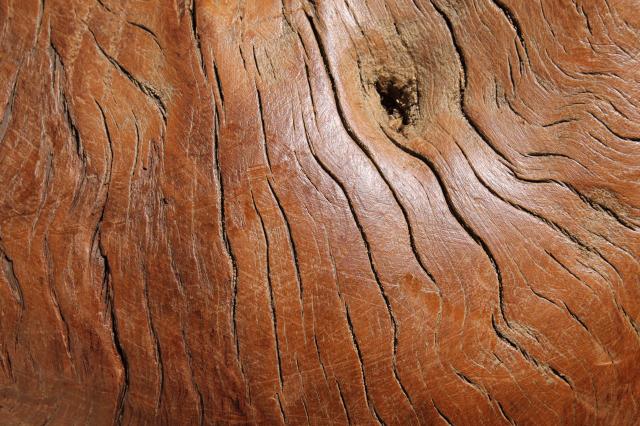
point(399, 98)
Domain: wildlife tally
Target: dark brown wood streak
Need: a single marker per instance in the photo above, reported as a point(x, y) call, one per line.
point(319, 212)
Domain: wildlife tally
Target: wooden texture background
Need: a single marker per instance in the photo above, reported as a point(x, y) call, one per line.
point(319, 212)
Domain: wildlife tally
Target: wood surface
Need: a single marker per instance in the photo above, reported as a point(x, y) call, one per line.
point(319, 212)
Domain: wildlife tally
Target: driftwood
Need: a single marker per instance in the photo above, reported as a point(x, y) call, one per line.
point(323, 212)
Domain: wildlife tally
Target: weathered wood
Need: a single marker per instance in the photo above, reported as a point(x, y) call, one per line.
point(324, 212)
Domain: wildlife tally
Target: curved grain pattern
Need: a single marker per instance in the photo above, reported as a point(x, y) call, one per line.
point(319, 212)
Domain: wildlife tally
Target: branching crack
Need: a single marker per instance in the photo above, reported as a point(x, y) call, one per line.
point(143, 87)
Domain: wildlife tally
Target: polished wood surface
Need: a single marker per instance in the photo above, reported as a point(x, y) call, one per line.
point(319, 212)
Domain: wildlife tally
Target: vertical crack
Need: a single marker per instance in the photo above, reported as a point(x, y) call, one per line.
point(107, 286)
point(283, 415)
point(154, 335)
point(505, 415)
point(263, 128)
point(463, 86)
point(370, 157)
point(196, 36)
point(513, 21)
point(107, 282)
point(294, 250)
point(441, 414)
point(272, 302)
point(343, 403)
point(334, 178)
point(54, 298)
point(356, 345)
point(218, 84)
point(8, 109)
point(12, 279)
point(459, 217)
point(187, 350)
point(225, 235)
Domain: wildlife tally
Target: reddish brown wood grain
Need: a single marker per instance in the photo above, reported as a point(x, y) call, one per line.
point(319, 212)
